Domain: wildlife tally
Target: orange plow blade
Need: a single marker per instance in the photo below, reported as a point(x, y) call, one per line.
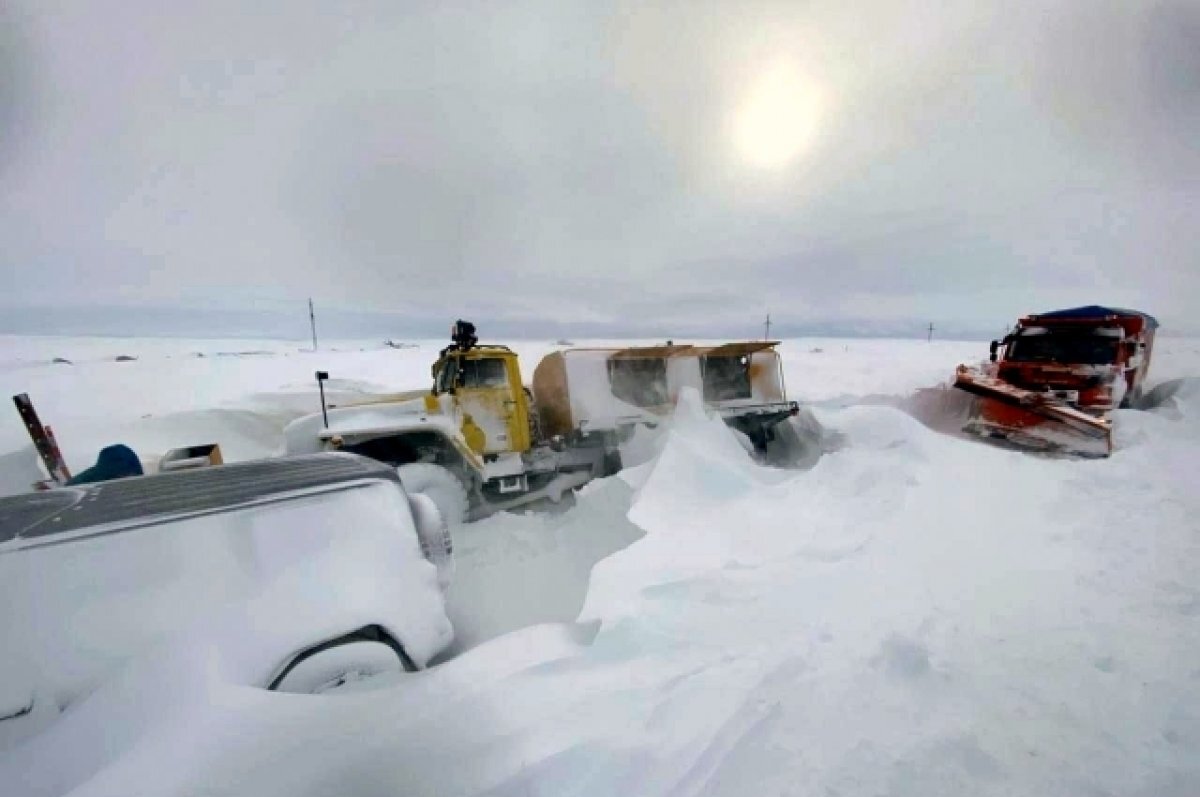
point(1028, 419)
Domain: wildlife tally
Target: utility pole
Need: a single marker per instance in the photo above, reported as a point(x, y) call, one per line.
point(312, 320)
point(930, 338)
point(768, 327)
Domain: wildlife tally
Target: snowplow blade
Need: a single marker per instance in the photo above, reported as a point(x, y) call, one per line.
point(1032, 420)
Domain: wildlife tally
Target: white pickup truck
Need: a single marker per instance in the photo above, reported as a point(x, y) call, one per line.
point(295, 574)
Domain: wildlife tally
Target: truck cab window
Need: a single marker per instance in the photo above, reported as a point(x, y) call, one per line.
point(484, 373)
point(446, 376)
point(641, 382)
point(726, 378)
point(1066, 346)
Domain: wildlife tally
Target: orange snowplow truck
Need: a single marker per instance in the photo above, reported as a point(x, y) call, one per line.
point(1053, 381)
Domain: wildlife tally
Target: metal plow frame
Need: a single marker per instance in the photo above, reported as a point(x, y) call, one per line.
point(1048, 438)
point(1060, 428)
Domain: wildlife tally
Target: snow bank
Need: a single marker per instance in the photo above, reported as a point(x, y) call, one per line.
point(518, 570)
point(915, 615)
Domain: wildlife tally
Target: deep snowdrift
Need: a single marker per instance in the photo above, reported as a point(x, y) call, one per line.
point(917, 614)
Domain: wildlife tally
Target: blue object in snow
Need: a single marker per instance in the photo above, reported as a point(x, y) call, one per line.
point(115, 462)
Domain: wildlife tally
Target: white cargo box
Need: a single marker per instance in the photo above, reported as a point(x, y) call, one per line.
point(606, 388)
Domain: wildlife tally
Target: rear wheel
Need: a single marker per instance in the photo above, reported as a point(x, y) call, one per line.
point(440, 485)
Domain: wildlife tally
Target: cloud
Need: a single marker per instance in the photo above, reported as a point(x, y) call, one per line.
point(563, 164)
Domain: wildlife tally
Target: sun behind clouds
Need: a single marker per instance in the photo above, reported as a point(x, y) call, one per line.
point(778, 117)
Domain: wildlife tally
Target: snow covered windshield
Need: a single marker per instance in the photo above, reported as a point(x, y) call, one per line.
point(726, 378)
point(483, 373)
point(1065, 345)
point(641, 382)
point(456, 372)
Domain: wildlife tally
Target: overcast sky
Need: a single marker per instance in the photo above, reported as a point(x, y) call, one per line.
point(569, 166)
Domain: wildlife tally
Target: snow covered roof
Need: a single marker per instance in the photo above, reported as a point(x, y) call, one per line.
point(146, 499)
point(1097, 311)
point(738, 349)
point(689, 350)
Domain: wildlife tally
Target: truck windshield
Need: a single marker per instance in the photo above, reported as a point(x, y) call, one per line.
point(484, 373)
point(726, 378)
point(1079, 347)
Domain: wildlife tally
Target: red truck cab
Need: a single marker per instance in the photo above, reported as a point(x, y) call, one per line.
point(1095, 358)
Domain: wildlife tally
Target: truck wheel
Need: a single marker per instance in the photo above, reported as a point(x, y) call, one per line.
point(440, 485)
point(338, 666)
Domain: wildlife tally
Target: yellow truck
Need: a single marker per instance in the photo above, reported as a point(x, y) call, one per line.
point(480, 440)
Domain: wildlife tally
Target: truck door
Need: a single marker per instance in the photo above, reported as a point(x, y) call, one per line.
point(488, 393)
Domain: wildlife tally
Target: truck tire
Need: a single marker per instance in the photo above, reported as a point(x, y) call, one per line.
point(440, 485)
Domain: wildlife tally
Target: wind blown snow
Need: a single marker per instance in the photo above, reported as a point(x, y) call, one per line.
point(917, 614)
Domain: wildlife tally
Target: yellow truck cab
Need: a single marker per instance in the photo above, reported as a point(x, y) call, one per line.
point(485, 383)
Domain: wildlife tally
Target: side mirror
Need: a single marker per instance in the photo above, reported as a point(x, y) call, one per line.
point(992, 349)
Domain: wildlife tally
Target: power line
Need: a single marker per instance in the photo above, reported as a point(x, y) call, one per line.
point(312, 320)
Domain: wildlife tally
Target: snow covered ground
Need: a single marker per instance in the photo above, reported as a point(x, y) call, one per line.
point(917, 614)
